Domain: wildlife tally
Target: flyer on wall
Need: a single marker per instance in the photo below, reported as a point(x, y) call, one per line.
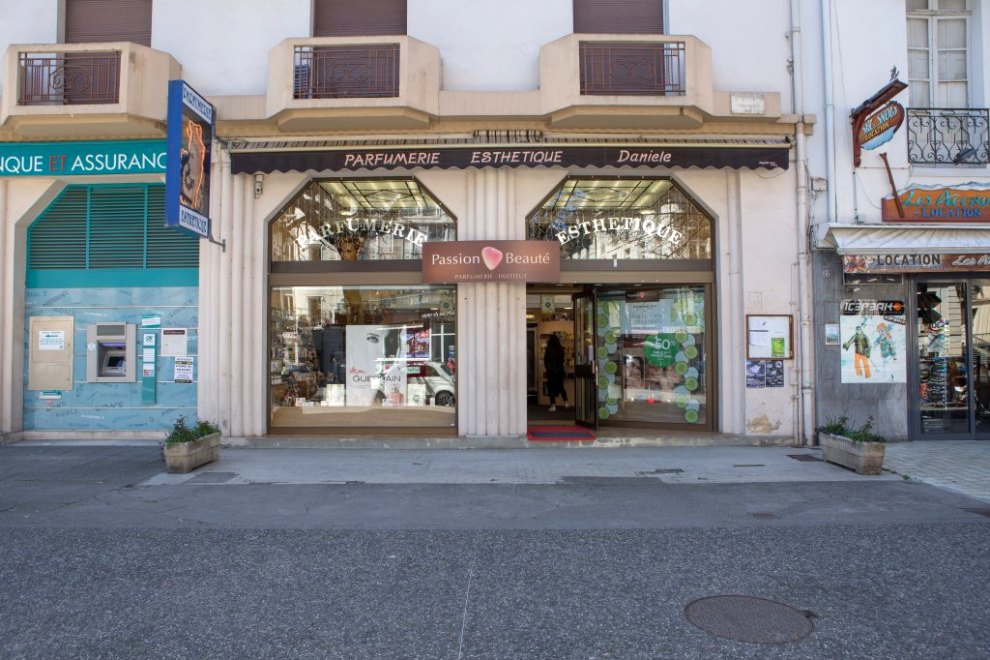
point(872, 341)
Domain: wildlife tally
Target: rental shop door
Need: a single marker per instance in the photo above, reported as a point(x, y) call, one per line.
point(952, 340)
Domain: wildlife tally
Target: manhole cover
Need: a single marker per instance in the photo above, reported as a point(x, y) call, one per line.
point(749, 619)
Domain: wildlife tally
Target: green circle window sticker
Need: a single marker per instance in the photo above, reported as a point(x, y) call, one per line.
point(660, 350)
point(681, 368)
point(603, 412)
point(611, 367)
point(691, 416)
point(691, 352)
point(691, 384)
point(681, 401)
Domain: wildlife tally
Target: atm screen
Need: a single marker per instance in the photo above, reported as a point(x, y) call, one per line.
point(114, 364)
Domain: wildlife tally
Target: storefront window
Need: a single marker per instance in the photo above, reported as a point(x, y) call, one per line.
point(364, 356)
point(651, 356)
point(622, 219)
point(359, 220)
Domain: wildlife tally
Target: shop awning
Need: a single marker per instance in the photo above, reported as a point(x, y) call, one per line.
point(912, 239)
point(248, 158)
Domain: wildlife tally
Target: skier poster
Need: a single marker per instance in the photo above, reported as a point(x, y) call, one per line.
point(872, 341)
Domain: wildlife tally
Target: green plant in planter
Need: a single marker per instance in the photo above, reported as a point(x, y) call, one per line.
point(840, 426)
point(182, 432)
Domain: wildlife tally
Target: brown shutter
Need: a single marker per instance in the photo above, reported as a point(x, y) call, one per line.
point(618, 17)
point(358, 18)
point(88, 21)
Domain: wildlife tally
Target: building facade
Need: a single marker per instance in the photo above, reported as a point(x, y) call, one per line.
point(902, 248)
point(694, 180)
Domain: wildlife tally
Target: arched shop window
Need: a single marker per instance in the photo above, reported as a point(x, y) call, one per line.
point(359, 220)
point(623, 219)
point(355, 341)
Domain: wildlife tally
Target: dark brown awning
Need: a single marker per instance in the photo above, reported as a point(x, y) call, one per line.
point(548, 155)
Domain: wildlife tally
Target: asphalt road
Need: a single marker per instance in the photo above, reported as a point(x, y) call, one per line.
point(96, 563)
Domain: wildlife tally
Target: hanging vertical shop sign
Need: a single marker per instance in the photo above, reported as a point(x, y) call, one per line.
point(872, 335)
point(187, 176)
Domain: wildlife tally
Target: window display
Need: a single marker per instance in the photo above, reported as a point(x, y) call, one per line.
point(362, 357)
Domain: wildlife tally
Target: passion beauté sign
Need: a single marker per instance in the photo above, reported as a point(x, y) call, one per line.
point(450, 262)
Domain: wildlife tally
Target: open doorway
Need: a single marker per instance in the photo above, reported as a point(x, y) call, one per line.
point(635, 355)
point(549, 313)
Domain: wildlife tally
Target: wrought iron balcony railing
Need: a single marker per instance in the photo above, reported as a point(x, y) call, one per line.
point(359, 71)
point(943, 136)
point(632, 69)
point(83, 78)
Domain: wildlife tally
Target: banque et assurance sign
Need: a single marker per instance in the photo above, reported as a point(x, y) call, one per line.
point(56, 159)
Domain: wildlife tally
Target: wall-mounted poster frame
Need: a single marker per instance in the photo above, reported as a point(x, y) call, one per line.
point(769, 337)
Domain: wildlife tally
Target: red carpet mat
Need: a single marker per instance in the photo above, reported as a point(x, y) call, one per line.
point(558, 434)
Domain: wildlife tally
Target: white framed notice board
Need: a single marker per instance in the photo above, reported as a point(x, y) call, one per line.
point(769, 337)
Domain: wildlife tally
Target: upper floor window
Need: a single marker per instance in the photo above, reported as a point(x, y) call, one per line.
point(92, 21)
point(938, 61)
point(358, 18)
point(619, 17)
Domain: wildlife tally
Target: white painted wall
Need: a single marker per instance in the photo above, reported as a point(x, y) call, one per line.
point(750, 58)
point(27, 22)
point(490, 46)
point(223, 45)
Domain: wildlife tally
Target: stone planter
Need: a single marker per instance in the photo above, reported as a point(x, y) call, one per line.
point(863, 457)
point(187, 456)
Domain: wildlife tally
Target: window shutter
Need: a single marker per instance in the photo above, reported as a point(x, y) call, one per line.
point(358, 18)
point(88, 21)
point(167, 247)
point(618, 17)
point(57, 239)
point(105, 227)
point(116, 228)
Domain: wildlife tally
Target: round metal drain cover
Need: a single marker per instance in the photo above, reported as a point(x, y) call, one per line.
point(749, 619)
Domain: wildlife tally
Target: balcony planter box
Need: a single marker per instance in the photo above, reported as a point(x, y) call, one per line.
point(187, 456)
point(863, 457)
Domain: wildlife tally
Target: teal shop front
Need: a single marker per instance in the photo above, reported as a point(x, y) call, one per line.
point(111, 313)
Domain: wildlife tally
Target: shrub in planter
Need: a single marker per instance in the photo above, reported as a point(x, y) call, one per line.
point(188, 447)
point(859, 449)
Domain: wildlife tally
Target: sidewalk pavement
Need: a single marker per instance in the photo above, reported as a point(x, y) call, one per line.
point(962, 466)
point(959, 466)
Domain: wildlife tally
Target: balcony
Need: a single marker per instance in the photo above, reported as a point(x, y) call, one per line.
point(652, 69)
point(948, 136)
point(353, 83)
point(66, 91)
point(597, 81)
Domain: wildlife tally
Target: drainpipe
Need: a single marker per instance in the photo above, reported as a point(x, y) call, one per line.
point(805, 400)
point(829, 109)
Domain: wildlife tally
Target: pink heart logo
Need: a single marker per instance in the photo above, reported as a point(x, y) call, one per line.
point(492, 257)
